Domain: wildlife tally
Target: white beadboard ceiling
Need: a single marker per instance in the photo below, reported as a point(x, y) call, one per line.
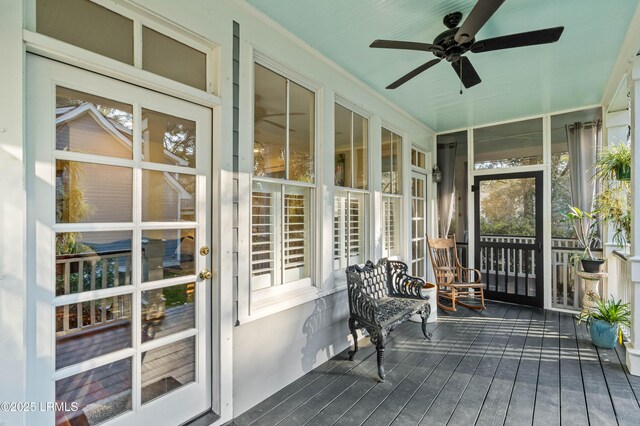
point(517, 82)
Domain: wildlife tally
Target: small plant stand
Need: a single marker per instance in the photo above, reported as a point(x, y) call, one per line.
point(591, 281)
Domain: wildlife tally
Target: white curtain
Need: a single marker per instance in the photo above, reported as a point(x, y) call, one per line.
point(583, 140)
point(447, 164)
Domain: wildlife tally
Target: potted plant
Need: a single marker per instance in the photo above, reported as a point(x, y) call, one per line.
point(585, 225)
point(613, 202)
point(614, 162)
point(605, 319)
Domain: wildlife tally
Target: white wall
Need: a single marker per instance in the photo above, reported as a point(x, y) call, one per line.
point(288, 343)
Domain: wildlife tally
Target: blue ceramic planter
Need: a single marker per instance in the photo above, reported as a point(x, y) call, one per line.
point(603, 334)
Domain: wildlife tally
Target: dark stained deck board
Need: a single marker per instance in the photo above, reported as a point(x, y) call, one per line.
point(366, 372)
point(413, 412)
point(523, 396)
point(622, 396)
point(275, 409)
point(599, 406)
point(333, 412)
point(509, 365)
point(368, 403)
point(443, 407)
point(634, 381)
point(572, 398)
point(495, 406)
point(405, 391)
point(547, 408)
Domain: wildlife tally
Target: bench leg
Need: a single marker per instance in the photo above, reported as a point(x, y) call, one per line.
point(381, 340)
point(354, 332)
point(425, 316)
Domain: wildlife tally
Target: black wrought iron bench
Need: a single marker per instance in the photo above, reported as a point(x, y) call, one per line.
point(381, 297)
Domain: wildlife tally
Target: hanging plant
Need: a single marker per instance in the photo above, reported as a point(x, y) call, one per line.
point(613, 201)
point(614, 163)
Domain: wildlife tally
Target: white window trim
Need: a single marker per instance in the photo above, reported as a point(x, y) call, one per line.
point(420, 150)
point(253, 305)
point(68, 53)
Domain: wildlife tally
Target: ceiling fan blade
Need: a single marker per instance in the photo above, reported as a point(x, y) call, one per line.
point(407, 45)
point(413, 73)
point(273, 123)
point(479, 15)
point(466, 72)
point(530, 38)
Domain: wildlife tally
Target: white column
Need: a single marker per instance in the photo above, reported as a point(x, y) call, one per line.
point(633, 346)
point(375, 184)
point(13, 339)
point(616, 125)
point(326, 177)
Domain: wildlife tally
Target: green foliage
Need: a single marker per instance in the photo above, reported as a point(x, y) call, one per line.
point(610, 160)
point(612, 311)
point(508, 207)
point(613, 202)
point(585, 225)
point(560, 196)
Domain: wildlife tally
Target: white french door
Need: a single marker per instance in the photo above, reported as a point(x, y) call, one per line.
point(418, 224)
point(120, 200)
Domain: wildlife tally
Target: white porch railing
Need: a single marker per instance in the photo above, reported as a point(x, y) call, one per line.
point(620, 262)
point(88, 272)
point(565, 287)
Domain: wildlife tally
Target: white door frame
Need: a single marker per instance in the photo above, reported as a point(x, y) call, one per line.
point(40, 213)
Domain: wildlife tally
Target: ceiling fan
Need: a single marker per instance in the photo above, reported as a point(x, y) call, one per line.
point(453, 43)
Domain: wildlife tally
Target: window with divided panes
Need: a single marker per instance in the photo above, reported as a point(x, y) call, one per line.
point(283, 180)
point(391, 150)
point(351, 176)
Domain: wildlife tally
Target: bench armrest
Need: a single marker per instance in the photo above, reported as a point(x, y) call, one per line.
point(360, 303)
point(403, 284)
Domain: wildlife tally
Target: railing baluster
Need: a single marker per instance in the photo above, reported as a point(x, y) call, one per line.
point(67, 290)
point(526, 274)
point(92, 304)
point(506, 270)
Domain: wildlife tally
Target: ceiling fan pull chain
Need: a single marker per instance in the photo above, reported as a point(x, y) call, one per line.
point(460, 61)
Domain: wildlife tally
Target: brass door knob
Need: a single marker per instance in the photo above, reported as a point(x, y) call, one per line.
point(205, 274)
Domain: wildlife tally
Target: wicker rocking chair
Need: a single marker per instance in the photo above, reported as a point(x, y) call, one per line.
point(456, 284)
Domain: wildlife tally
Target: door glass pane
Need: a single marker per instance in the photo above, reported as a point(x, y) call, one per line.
point(270, 121)
point(99, 394)
point(169, 58)
point(87, 25)
point(508, 145)
point(360, 151)
point(301, 133)
point(507, 207)
point(168, 197)
point(342, 146)
point(167, 139)
point(167, 253)
point(87, 192)
point(89, 329)
point(93, 125)
point(88, 261)
point(168, 368)
point(167, 310)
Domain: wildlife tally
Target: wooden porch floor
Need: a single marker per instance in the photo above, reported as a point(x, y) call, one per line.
point(510, 365)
